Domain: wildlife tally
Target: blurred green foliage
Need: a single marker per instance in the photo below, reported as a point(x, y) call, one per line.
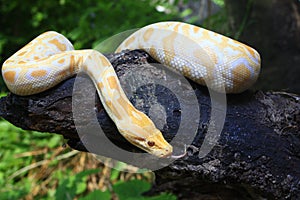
point(73, 185)
point(17, 159)
point(219, 2)
point(15, 141)
point(85, 22)
point(130, 190)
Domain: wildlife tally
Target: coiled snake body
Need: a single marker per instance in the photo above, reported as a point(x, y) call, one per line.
point(201, 55)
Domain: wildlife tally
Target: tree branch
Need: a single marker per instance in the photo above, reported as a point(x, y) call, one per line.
point(257, 154)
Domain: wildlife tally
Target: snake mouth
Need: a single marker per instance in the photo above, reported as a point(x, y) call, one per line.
point(166, 154)
point(163, 152)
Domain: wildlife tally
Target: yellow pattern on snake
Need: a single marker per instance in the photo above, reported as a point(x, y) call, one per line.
point(209, 58)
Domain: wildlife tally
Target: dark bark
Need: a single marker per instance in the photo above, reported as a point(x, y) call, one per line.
point(258, 152)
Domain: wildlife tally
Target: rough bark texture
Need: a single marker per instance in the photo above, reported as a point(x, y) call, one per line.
point(257, 155)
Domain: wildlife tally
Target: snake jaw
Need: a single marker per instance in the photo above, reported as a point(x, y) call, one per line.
point(154, 144)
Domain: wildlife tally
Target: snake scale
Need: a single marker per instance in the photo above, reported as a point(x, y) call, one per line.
point(197, 53)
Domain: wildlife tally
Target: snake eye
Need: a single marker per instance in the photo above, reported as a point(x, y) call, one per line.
point(151, 143)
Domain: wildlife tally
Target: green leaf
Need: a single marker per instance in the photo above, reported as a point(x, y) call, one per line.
point(186, 12)
point(54, 141)
point(80, 187)
point(73, 185)
point(131, 189)
point(219, 2)
point(97, 194)
point(114, 174)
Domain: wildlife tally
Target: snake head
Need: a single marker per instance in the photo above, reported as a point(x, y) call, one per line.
point(158, 146)
point(153, 143)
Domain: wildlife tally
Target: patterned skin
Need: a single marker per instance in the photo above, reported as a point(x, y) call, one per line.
point(201, 55)
point(205, 57)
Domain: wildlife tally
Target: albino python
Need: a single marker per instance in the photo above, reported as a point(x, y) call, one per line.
point(50, 58)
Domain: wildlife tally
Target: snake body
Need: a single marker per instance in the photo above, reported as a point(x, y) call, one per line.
point(199, 54)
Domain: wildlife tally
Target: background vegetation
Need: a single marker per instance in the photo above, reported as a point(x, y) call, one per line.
point(37, 165)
